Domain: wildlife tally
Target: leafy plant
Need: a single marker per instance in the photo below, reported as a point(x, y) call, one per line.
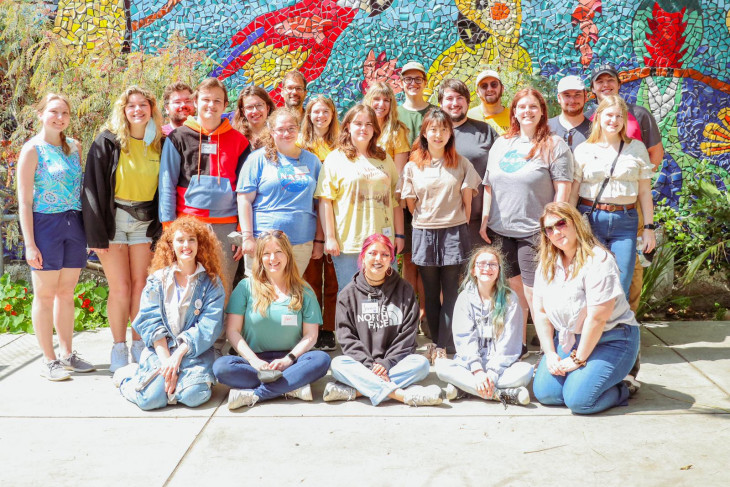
point(16, 303)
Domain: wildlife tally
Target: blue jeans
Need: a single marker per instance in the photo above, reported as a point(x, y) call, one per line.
point(597, 386)
point(154, 396)
point(413, 368)
point(617, 231)
point(236, 372)
point(346, 267)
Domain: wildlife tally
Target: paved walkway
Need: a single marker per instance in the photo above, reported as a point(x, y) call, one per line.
point(676, 431)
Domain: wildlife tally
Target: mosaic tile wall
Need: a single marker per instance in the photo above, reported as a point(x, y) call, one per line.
point(672, 54)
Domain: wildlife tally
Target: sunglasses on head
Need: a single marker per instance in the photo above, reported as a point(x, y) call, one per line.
point(272, 233)
point(558, 225)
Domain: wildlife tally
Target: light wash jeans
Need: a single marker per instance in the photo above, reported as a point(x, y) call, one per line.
point(413, 368)
point(346, 267)
point(617, 231)
point(597, 386)
point(154, 396)
point(236, 372)
point(518, 374)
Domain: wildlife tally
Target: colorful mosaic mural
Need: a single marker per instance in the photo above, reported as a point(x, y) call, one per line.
point(672, 54)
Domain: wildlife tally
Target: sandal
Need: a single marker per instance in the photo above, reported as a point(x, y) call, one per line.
point(439, 353)
point(430, 352)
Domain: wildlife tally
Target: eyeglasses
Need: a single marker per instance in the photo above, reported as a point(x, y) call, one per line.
point(298, 89)
point(257, 107)
point(558, 225)
point(286, 130)
point(272, 233)
point(413, 81)
point(568, 136)
point(492, 266)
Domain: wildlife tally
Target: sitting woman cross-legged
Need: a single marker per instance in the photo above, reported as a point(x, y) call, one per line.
point(488, 336)
point(180, 316)
point(376, 324)
point(578, 294)
point(272, 321)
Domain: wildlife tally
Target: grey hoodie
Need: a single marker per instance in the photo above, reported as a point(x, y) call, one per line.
point(476, 349)
point(377, 324)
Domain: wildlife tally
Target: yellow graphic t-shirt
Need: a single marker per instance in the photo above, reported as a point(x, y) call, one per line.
point(499, 122)
point(363, 197)
point(137, 172)
point(399, 146)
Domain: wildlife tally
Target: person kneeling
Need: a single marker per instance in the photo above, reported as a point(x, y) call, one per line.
point(272, 321)
point(487, 331)
point(180, 316)
point(376, 324)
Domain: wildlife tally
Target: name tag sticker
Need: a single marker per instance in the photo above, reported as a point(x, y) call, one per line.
point(208, 148)
point(488, 331)
point(387, 232)
point(369, 306)
point(289, 320)
point(432, 172)
point(301, 170)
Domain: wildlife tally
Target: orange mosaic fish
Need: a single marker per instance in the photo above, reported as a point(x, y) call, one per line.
point(304, 27)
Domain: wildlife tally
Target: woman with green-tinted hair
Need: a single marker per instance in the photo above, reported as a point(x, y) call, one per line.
point(487, 328)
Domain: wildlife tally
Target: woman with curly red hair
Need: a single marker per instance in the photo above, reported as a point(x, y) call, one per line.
point(180, 317)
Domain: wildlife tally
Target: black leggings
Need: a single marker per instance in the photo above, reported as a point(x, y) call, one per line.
point(438, 281)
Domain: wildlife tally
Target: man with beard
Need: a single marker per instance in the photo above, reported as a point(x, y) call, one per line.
point(572, 125)
point(473, 140)
point(490, 90)
point(178, 101)
point(294, 91)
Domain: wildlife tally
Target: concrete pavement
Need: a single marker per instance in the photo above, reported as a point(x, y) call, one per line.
point(81, 432)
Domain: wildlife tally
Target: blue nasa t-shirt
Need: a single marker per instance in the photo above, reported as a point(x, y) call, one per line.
point(284, 194)
point(521, 188)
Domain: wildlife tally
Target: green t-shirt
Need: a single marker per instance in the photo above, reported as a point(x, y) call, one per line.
point(273, 332)
point(412, 120)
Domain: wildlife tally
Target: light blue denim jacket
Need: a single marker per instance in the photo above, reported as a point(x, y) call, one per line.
point(199, 332)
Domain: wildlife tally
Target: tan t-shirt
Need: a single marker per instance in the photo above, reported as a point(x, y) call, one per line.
point(363, 197)
point(437, 191)
point(593, 164)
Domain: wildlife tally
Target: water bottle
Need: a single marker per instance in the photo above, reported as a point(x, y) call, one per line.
point(640, 253)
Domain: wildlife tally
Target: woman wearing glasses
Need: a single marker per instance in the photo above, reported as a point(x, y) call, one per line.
point(272, 322)
point(356, 191)
point(528, 167)
point(276, 192)
point(587, 330)
point(252, 109)
point(487, 334)
point(612, 174)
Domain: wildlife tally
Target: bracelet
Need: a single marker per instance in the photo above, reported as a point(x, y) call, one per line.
point(576, 360)
point(318, 241)
point(398, 235)
point(650, 226)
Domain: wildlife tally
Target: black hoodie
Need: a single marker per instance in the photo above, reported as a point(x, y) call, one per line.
point(384, 334)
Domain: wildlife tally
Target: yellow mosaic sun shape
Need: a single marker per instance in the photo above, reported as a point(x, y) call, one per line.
point(268, 64)
point(718, 133)
point(501, 18)
point(89, 26)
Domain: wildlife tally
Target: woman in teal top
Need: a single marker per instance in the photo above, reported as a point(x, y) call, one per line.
point(272, 322)
point(49, 197)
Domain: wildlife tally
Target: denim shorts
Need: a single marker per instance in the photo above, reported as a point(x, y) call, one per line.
point(520, 254)
point(61, 240)
point(441, 246)
point(129, 230)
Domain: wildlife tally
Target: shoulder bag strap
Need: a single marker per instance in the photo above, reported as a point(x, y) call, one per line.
point(605, 181)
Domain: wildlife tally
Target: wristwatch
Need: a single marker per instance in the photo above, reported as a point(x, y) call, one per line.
point(650, 226)
point(292, 357)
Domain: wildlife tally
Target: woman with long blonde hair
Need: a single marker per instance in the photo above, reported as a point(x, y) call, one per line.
point(587, 330)
point(49, 204)
point(180, 317)
point(119, 204)
point(272, 320)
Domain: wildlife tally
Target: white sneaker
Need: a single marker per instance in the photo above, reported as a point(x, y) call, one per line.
point(423, 396)
point(304, 393)
point(136, 350)
point(632, 384)
point(512, 395)
point(125, 372)
point(453, 392)
point(336, 391)
point(53, 370)
point(241, 397)
point(120, 356)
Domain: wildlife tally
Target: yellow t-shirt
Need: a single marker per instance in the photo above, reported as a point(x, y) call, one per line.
point(499, 122)
point(318, 148)
point(137, 172)
point(401, 144)
point(363, 197)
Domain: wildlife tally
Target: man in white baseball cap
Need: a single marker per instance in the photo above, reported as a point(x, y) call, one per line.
point(489, 89)
point(572, 125)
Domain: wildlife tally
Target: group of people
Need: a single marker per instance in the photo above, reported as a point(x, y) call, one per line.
point(274, 232)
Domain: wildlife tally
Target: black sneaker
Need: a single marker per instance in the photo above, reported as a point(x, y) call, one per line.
point(326, 341)
point(514, 395)
point(524, 353)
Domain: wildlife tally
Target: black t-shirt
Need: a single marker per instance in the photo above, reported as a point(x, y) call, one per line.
point(473, 141)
